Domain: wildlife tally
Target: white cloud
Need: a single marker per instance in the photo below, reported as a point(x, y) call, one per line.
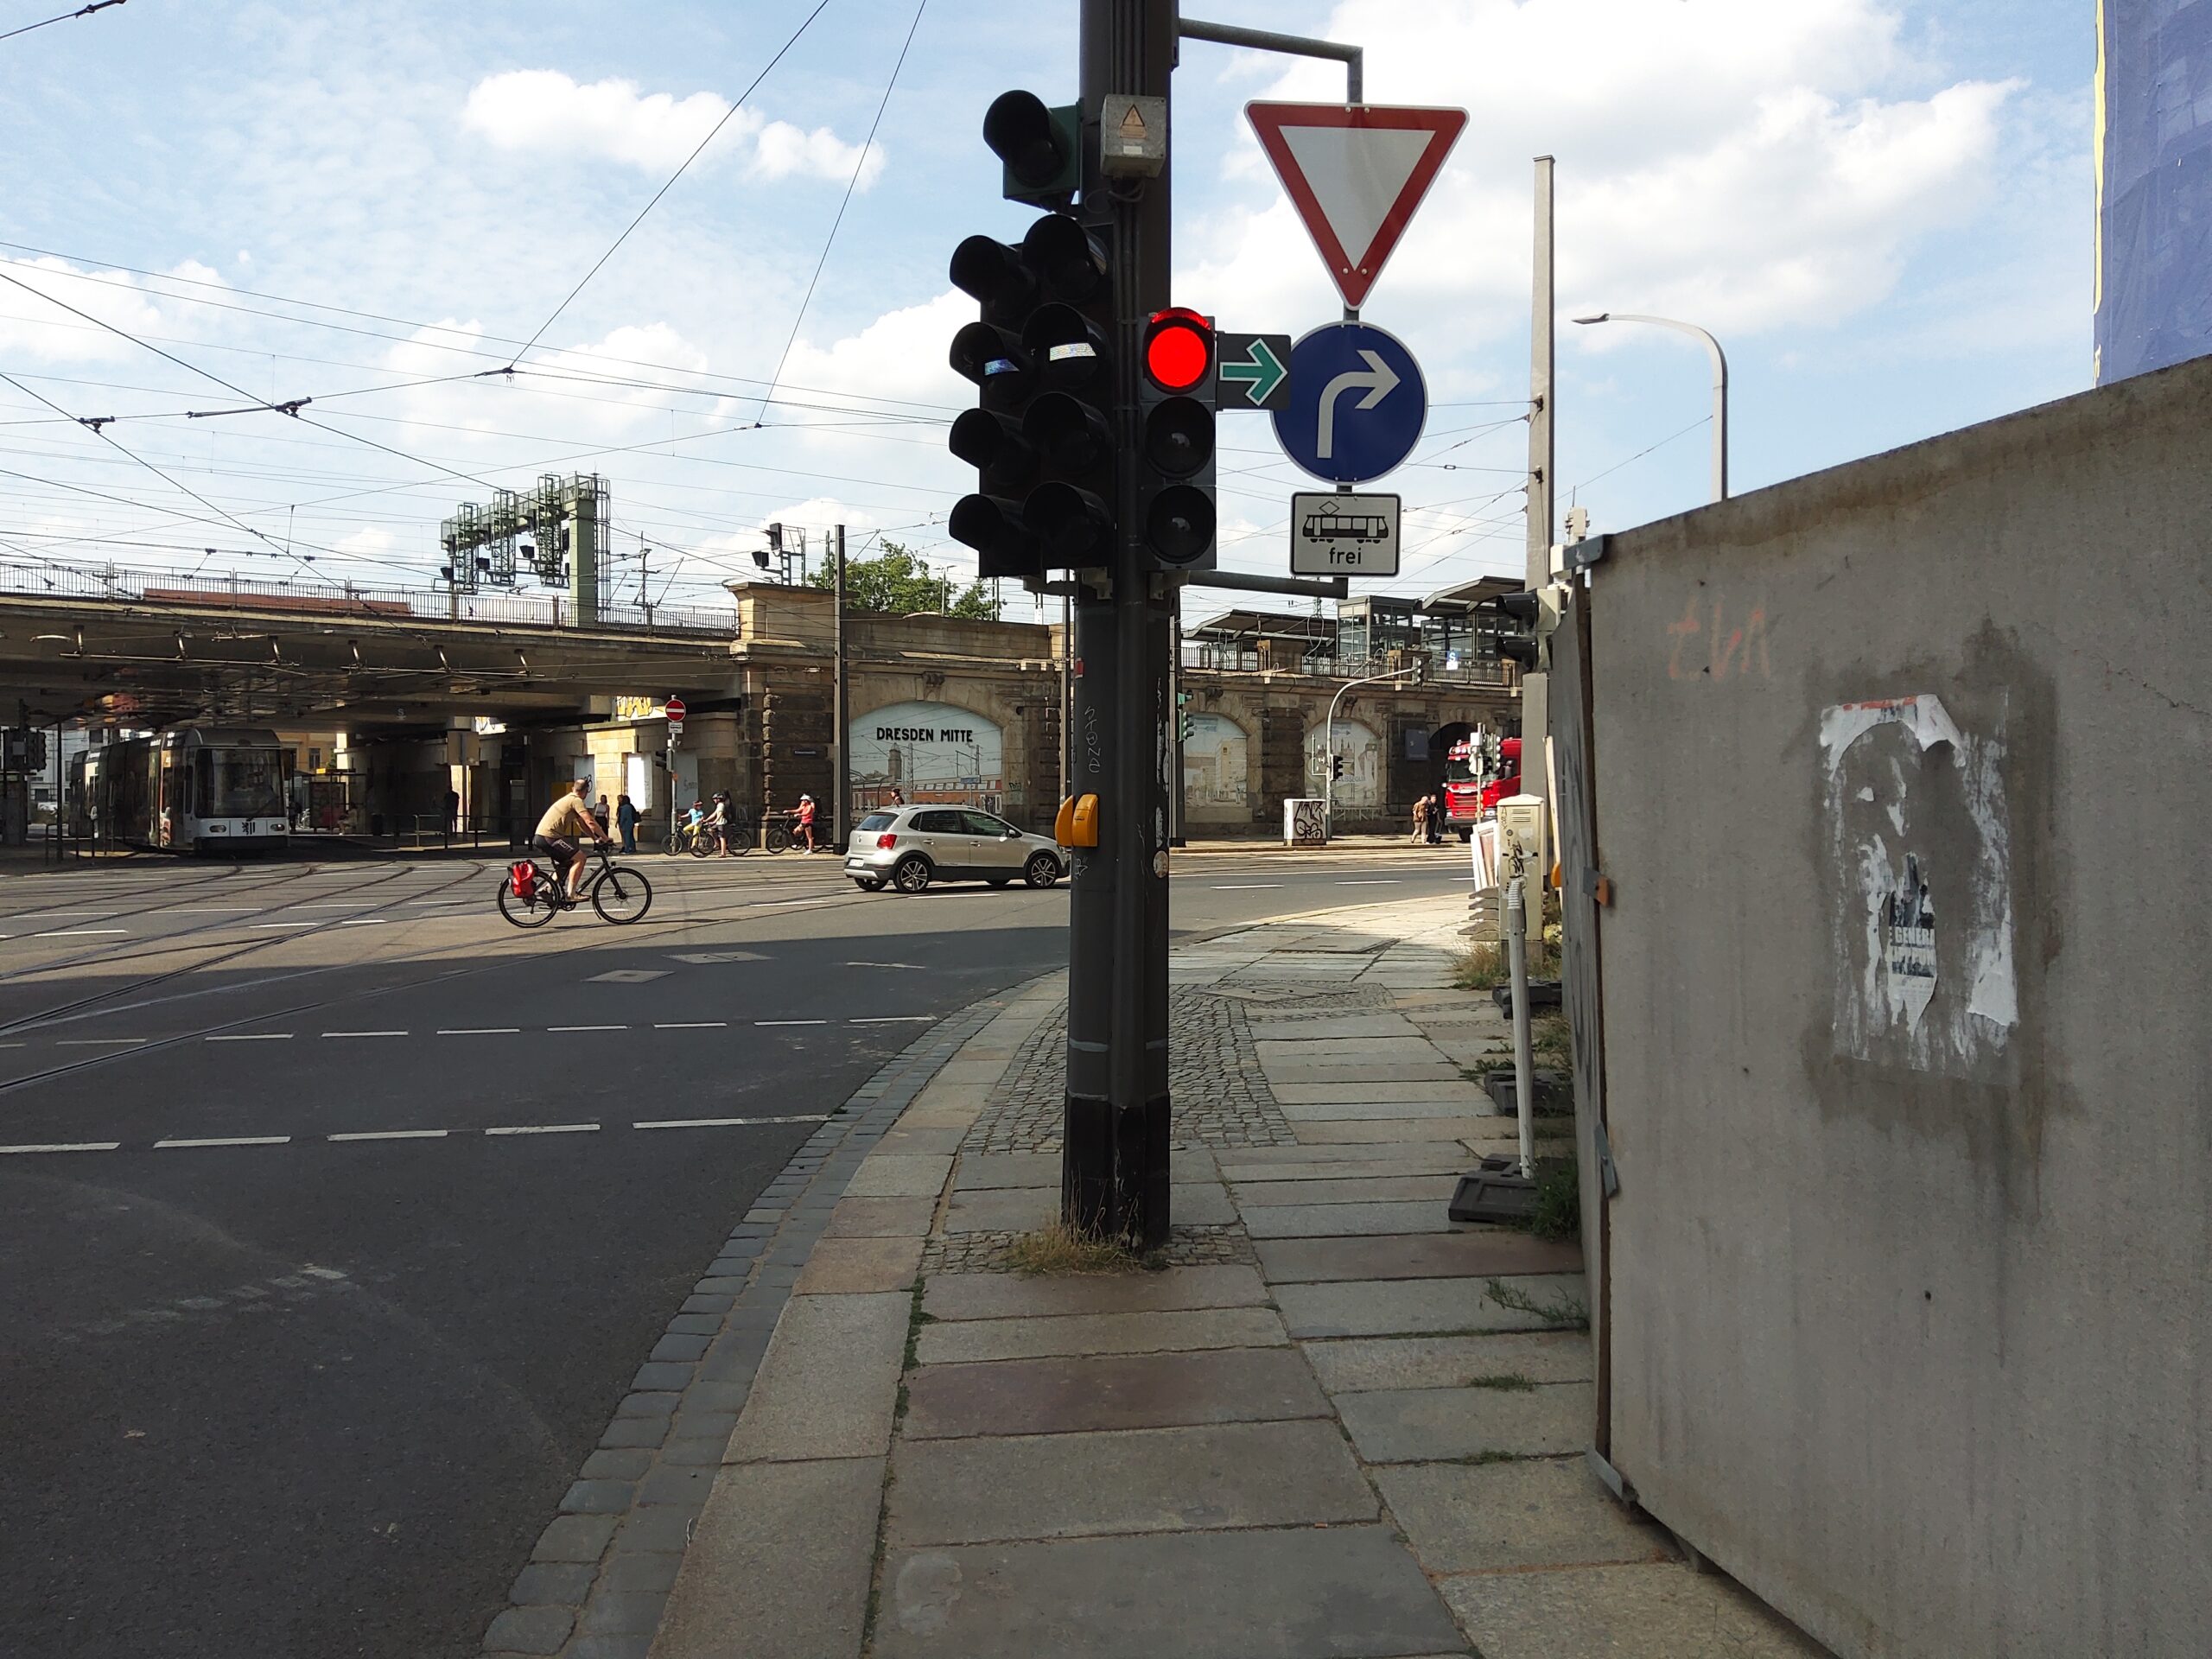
point(1756, 165)
point(35, 327)
point(901, 356)
point(545, 112)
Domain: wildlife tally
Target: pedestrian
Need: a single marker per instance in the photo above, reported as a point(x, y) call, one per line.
point(452, 812)
point(625, 816)
point(606, 818)
point(1420, 820)
point(806, 821)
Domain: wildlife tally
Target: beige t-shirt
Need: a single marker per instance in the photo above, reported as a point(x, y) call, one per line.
point(564, 817)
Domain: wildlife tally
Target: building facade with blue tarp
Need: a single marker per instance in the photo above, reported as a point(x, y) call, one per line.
point(2154, 185)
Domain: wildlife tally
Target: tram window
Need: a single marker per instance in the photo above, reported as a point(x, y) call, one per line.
point(240, 784)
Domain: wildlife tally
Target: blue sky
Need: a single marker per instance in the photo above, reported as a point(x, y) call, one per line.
point(1883, 206)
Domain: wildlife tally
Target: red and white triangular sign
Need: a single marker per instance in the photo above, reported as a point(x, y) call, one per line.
point(1355, 173)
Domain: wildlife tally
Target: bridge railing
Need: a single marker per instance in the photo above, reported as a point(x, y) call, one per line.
point(538, 609)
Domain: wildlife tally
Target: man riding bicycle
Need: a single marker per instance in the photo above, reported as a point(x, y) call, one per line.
point(560, 834)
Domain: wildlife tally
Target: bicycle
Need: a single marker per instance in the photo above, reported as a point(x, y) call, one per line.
point(682, 839)
point(619, 896)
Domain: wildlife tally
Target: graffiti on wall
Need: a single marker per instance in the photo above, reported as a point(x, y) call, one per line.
point(922, 752)
point(1920, 898)
point(1217, 770)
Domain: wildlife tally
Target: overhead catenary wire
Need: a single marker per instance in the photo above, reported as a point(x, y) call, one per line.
point(736, 105)
point(844, 201)
point(81, 11)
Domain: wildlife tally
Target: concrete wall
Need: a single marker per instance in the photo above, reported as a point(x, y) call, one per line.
point(1903, 772)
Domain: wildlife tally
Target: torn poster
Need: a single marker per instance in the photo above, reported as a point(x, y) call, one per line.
point(1920, 898)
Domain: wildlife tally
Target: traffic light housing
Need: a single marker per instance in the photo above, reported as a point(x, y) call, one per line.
point(1039, 145)
point(1040, 437)
point(1175, 453)
point(1519, 645)
point(1186, 723)
point(1336, 765)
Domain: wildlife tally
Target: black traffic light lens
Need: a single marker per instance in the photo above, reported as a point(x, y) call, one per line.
point(1073, 524)
point(1179, 436)
point(1521, 607)
point(992, 358)
point(993, 527)
point(993, 445)
point(1066, 348)
point(993, 273)
point(1071, 437)
point(1018, 129)
point(1180, 524)
point(1520, 648)
point(1067, 257)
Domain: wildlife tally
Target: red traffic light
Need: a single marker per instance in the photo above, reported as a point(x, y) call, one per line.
point(1178, 351)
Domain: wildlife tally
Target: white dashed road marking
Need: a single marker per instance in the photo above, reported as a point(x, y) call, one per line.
point(365, 1033)
point(1255, 887)
point(253, 1037)
point(690, 1025)
point(480, 1031)
point(392, 1134)
point(727, 1122)
point(790, 1022)
point(586, 1028)
point(897, 1020)
point(78, 932)
point(544, 1129)
point(1372, 881)
point(67, 1146)
point(96, 1042)
point(227, 1140)
point(278, 927)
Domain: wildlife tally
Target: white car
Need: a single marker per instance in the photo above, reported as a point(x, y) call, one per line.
point(910, 847)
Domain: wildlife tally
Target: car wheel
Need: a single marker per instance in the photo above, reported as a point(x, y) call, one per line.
point(869, 883)
point(1042, 871)
point(911, 875)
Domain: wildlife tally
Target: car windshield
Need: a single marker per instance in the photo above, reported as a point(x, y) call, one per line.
point(879, 821)
point(1459, 770)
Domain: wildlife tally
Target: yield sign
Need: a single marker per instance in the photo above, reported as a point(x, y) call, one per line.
point(1355, 173)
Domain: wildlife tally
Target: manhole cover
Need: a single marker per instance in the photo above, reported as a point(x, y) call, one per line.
point(704, 956)
point(627, 975)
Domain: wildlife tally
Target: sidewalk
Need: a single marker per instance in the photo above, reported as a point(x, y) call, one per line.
point(1335, 1427)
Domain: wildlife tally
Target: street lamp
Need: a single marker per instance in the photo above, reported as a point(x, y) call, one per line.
point(1719, 387)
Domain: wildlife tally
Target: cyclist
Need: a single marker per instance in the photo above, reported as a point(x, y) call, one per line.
point(717, 823)
point(561, 832)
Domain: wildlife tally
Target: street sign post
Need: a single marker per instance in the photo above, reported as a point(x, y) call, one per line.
point(1253, 371)
point(1355, 173)
point(1357, 403)
point(1343, 535)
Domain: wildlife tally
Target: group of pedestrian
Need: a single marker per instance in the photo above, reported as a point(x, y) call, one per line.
point(624, 819)
point(1428, 821)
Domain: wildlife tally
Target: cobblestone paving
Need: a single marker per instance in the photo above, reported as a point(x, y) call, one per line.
point(1220, 1099)
point(1187, 1246)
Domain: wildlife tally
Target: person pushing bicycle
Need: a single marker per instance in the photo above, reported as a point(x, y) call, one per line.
point(567, 824)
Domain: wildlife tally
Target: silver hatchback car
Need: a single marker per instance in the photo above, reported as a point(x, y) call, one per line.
point(910, 847)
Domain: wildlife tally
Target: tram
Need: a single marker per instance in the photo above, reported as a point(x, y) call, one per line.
point(198, 789)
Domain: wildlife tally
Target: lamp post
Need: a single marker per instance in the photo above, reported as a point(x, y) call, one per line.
point(1719, 387)
point(1329, 745)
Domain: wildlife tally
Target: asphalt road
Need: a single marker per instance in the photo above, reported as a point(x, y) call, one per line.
point(337, 1214)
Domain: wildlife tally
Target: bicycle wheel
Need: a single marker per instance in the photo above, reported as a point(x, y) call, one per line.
point(777, 838)
point(539, 908)
point(701, 844)
point(677, 844)
point(621, 895)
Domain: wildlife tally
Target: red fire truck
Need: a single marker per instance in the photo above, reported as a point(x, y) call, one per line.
point(1475, 780)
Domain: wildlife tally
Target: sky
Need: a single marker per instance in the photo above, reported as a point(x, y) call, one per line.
point(1882, 207)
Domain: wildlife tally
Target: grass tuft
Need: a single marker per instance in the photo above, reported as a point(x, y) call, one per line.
point(1056, 1251)
point(1511, 1382)
point(1565, 1311)
point(1481, 967)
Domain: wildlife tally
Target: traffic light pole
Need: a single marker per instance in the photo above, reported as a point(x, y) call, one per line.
point(1113, 1180)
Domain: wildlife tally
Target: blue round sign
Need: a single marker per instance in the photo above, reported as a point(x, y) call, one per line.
point(1357, 403)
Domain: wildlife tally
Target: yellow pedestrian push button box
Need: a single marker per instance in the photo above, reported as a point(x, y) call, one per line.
point(1077, 823)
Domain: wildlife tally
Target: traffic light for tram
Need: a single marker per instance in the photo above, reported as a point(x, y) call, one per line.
point(1175, 456)
point(1041, 438)
point(1336, 765)
point(1186, 725)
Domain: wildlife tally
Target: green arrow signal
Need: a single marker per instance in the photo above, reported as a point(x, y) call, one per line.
point(1261, 370)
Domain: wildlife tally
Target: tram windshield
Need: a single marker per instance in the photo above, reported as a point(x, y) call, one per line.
point(241, 783)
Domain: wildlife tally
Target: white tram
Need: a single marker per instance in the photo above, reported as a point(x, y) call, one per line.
point(195, 789)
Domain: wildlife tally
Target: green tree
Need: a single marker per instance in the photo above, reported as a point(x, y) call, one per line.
point(897, 583)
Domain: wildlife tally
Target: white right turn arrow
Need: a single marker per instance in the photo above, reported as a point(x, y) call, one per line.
point(1380, 380)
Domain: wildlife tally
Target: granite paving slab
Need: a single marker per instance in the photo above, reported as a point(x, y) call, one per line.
point(1050, 1396)
point(1383, 1105)
point(1652, 1612)
point(896, 1175)
point(1337, 1132)
point(1533, 1512)
point(1343, 1220)
point(1343, 1093)
point(1281, 1073)
point(1432, 1425)
point(1266, 1474)
point(1009, 1209)
point(778, 1564)
point(1360, 1363)
point(1465, 1253)
point(1361, 1189)
point(828, 1381)
point(1099, 1334)
point(982, 1171)
point(1241, 1164)
point(1369, 1308)
point(847, 1266)
point(1009, 1296)
point(1349, 1164)
point(1343, 1051)
point(1345, 1592)
point(880, 1218)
